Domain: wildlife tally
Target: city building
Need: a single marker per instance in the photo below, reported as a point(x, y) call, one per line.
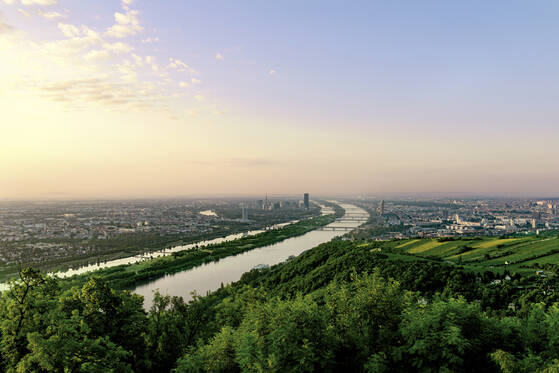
point(306, 201)
point(380, 209)
point(244, 213)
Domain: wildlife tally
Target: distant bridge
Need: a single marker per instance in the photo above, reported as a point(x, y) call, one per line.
point(353, 218)
point(337, 228)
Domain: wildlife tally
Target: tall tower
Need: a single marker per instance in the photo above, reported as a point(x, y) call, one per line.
point(244, 213)
point(380, 209)
point(306, 201)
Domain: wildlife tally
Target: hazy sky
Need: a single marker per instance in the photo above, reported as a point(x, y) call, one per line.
point(148, 98)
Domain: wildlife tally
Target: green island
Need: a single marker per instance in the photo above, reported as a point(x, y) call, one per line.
point(419, 305)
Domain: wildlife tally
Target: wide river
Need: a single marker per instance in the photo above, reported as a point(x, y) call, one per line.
point(209, 277)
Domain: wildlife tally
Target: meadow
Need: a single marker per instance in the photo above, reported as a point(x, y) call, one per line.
point(515, 254)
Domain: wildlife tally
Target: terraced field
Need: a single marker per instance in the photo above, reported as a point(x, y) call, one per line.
point(515, 253)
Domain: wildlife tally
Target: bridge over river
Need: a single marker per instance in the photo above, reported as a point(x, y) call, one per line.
point(211, 276)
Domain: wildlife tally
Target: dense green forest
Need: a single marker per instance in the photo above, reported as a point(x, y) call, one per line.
point(341, 307)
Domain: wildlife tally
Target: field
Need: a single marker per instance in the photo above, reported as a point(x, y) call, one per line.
point(518, 254)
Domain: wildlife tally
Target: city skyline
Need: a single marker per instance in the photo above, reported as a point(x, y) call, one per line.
point(136, 99)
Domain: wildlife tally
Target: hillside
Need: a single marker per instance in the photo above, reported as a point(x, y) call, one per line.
point(371, 306)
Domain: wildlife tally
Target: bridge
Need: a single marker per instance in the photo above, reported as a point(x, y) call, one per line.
point(352, 218)
point(337, 228)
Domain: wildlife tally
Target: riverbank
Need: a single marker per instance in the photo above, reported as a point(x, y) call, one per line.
point(134, 247)
point(129, 276)
point(211, 276)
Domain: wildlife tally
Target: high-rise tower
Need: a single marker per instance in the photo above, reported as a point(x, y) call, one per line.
point(380, 209)
point(306, 201)
point(244, 213)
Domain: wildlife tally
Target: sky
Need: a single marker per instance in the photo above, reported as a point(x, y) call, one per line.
point(146, 98)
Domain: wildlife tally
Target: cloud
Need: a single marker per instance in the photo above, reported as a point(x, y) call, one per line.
point(23, 12)
point(69, 30)
point(4, 27)
point(97, 91)
point(126, 4)
point(219, 56)
point(9, 2)
point(97, 54)
point(118, 47)
point(81, 66)
point(272, 72)
point(236, 162)
point(127, 24)
point(175, 63)
point(150, 60)
point(249, 162)
point(51, 15)
point(77, 40)
point(150, 40)
point(128, 73)
point(39, 2)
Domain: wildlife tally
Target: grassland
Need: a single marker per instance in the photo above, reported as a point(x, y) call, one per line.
point(517, 254)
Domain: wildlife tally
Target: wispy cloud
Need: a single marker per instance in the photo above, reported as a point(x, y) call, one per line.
point(219, 56)
point(96, 54)
point(175, 63)
point(250, 162)
point(69, 30)
point(99, 91)
point(4, 27)
point(118, 47)
point(126, 4)
point(51, 15)
point(39, 2)
point(236, 162)
point(24, 12)
point(150, 40)
point(126, 24)
point(86, 66)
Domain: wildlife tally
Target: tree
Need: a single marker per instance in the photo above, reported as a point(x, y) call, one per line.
point(22, 310)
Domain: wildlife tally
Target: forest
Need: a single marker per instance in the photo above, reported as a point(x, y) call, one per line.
point(342, 306)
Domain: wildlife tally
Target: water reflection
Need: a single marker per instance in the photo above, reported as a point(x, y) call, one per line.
point(210, 276)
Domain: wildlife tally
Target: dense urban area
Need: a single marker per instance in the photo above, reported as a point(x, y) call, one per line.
point(467, 217)
point(50, 233)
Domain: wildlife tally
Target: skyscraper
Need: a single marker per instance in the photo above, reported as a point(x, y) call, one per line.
point(306, 201)
point(244, 213)
point(380, 209)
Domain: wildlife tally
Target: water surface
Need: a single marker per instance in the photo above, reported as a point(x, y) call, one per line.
point(209, 277)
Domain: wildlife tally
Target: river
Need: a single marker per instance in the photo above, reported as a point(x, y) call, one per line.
point(168, 251)
point(209, 277)
point(325, 210)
